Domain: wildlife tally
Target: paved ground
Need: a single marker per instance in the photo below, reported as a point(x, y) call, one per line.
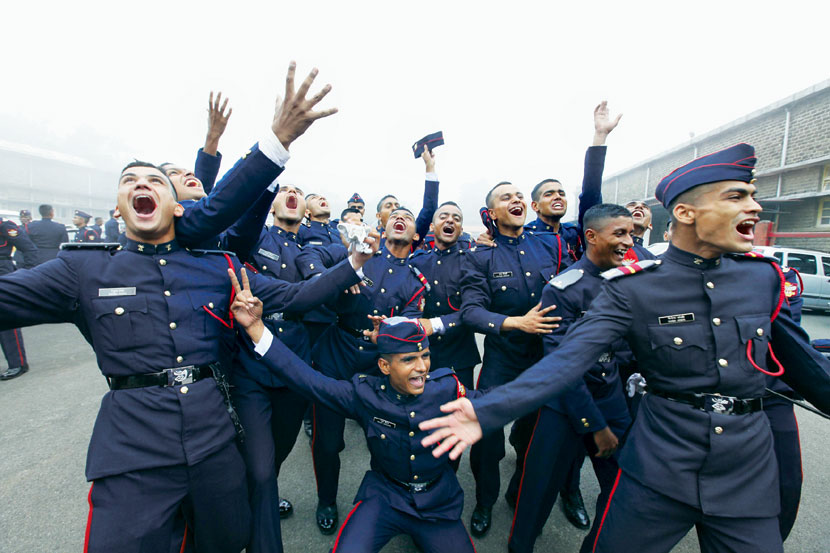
point(47, 417)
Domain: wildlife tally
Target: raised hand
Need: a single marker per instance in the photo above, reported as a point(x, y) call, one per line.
point(358, 258)
point(485, 239)
point(217, 121)
point(454, 432)
point(293, 114)
point(603, 124)
point(246, 308)
point(429, 160)
point(534, 321)
point(373, 334)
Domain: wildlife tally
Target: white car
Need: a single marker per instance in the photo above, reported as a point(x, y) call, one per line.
point(814, 268)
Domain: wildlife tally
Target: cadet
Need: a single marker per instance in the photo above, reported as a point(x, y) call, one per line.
point(164, 436)
point(548, 198)
point(392, 289)
point(111, 230)
point(641, 214)
point(501, 288)
point(46, 234)
point(406, 490)
point(318, 229)
point(97, 227)
point(270, 412)
point(18, 257)
point(593, 416)
point(390, 203)
point(700, 452)
point(84, 233)
point(11, 340)
point(357, 203)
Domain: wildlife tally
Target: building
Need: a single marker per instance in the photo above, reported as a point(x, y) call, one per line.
point(32, 176)
point(792, 142)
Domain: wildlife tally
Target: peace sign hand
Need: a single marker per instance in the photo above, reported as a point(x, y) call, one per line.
point(246, 308)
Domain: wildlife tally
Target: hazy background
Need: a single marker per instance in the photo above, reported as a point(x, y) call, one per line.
point(511, 84)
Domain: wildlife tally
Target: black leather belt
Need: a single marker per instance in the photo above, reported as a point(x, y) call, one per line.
point(354, 332)
point(167, 377)
point(714, 403)
point(413, 487)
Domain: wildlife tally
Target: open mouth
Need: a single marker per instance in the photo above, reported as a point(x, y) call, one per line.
point(637, 214)
point(291, 202)
point(193, 183)
point(746, 229)
point(516, 211)
point(144, 205)
point(557, 205)
point(399, 226)
point(324, 203)
point(620, 253)
point(417, 382)
point(448, 230)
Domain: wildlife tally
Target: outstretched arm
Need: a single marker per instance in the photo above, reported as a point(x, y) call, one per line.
point(430, 199)
point(208, 159)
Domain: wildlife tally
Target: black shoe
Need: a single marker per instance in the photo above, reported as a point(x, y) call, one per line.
point(480, 521)
point(308, 427)
point(327, 519)
point(511, 501)
point(574, 509)
point(13, 372)
point(286, 508)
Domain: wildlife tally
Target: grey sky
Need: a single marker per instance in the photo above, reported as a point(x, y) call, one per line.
point(511, 84)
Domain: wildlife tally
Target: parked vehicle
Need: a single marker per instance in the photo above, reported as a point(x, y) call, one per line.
point(814, 268)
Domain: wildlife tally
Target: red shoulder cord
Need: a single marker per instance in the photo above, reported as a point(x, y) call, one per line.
point(775, 313)
point(559, 259)
point(460, 390)
point(229, 324)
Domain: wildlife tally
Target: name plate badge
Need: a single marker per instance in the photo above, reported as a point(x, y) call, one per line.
point(674, 319)
point(503, 274)
point(384, 422)
point(269, 255)
point(112, 292)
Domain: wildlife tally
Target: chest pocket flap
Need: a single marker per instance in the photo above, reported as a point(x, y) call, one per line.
point(753, 327)
point(119, 305)
point(676, 336)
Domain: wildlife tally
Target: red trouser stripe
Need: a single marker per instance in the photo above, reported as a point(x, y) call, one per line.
point(522, 480)
point(471, 543)
point(314, 439)
point(345, 522)
point(88, 519)
point(184, 539)
point(605, 512)
point(19, 349)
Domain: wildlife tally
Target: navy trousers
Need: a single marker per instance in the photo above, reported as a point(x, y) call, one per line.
point(788, 453)
point(638, 519)
point(140, 511)
point(12, 344)
point(271, 418)
point(372, 523)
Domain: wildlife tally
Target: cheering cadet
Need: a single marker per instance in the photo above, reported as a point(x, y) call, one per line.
point(357, 203)
point(11, 340)
point(594, 415)
point(318, 229)
point(84, 232)
point(407, 490)
point(164, 437)
point(391, 288)
point(641, 215)
point(501, 288)
point(699, 453)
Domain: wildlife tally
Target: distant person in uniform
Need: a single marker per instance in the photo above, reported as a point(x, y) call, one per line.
point(25, 217)
point(19, 258)
point(641, 214)
point(84, 233)
point(111, 229)
point(356, 202)
point(98, 227)
point(46, 234)
point(11, 340)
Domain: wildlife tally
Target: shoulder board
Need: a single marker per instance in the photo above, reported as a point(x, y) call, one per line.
point(631, 269)
point(440, 373)
point(419, 253)
point(214, 252)
point(89, 246)
point(753, 255)
point(420, 276)
point(563, 280)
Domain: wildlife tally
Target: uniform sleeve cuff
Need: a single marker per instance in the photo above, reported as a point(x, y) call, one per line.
point(358, 270)
point(437, 325)
point(273, 149)
point(431, 177)
point(274, 185)
point(264, 344)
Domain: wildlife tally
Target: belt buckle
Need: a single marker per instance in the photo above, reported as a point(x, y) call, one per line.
point(418, 487)
point(179, 376)
point(723, 405)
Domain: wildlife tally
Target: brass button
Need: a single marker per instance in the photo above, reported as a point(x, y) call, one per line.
point(439, 261)
point(414, 476)
point(586, 425)
point(427, 377)
point(184, 389)
point(162, 262)
point(286, 245)
point(179, 359)
point(491, 325)
point(710, 284)
point(412, 414)
point(439, 338)
point(583, 420)
point(522, 252)
point(532, 295)
point(411, 457)
point(527, 273)
point(436, 282)
point(284, 265)
point(279, 329)
point(383, 290)
point(716, 321)
point(119, 310)
point(504, 287)
point(360, 348)
point(723, 362)
point(718, 430)
point(438, 304)
point(760, 332)
point(383, 436)
point(383, 386)
point(167, 293)
point(376, 311)
point(311, 265)
point(210, 304)
point(678, 340)
point(411, 434)
point(390, 271)
point(265, 267)
point(172, 326)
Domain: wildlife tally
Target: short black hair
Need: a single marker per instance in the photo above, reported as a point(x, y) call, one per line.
point(688, 197)
point(139, 163)
point(534, 195)
point(594, 217)
point(45, 210)
point(402, 208)
point(310, 195)
point(448, 203)
point(380, 203)
point(350, 210)
point(489, 195)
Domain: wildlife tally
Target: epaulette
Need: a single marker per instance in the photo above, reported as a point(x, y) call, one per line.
point(563, 280)
point(417, 253)
point(214, 252)
point(439, 373)
point(753, 255)
point(89, 246)
point(420, 276)
point(631, 269)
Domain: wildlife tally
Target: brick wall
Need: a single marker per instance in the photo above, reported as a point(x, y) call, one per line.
point(809, 128)
point(801, 216)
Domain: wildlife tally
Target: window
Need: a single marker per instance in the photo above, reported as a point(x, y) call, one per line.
point(825, 261)
point(825, 178)
point(779, 256)
point(824, 213)
point(803, 263)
